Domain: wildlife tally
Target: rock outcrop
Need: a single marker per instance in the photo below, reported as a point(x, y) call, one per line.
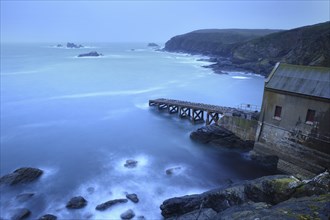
point(153, 45)
point(269, 197)
point(73, 45)
point(219, 136)
point(21, 176)
point(90, 54)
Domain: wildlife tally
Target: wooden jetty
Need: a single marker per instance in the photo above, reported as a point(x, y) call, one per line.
point(195, 111)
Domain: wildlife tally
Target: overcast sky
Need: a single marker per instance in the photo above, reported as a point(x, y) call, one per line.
point(147, 21)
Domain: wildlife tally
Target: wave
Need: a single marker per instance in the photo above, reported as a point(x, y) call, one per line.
point(43, 124)
point(143, 106)
point(85, 95)
point(19, 73)
point(115, 113)
point(240, 77)
point(106, 93)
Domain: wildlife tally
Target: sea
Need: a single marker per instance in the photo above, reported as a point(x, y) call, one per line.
point(80, 119)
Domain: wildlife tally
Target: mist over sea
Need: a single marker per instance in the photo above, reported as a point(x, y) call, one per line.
point(80, 119)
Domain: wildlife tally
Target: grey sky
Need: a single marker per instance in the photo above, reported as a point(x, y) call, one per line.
point(144, 21)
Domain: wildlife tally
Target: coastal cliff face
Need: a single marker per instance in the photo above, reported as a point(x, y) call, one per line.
point(257, 50)
point(213, 42)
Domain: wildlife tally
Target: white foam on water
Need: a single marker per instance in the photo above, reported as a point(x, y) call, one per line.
point(240, 77)
point(43, 124)
point(143, 106)
point(105, 93)
point(151, 186)
point(20, 73)
point(116, 113)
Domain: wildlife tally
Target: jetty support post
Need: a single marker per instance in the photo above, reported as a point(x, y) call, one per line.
point(184, 112)
point(173, 109)
point(212, 117)
point(162, 106)
point(197, 115)
point(152, 103)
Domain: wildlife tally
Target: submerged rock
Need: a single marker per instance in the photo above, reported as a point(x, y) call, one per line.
point(110, 203)
point(128, 214)
point(21, 176)
point(172, 170)
point(24, 197)
point(90, 190)
point(131, 163)
point(90, 54)
point(88, 215)
point(48, 217)
point(133, 197)
point(21, 214)
point(59, 45)
point(77, 202)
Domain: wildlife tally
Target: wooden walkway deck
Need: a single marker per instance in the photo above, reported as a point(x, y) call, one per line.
point(195, 111)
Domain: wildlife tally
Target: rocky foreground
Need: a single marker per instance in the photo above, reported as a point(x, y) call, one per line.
point(269, 197)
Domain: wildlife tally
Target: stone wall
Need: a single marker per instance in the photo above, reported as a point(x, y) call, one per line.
point(241, 127)
point(295, 157)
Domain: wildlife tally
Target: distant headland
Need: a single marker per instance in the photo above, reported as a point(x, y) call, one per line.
point(257, 50)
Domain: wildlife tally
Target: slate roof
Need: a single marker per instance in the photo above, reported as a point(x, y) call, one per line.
point(306, 80)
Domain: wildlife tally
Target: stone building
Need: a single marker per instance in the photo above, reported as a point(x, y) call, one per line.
point(294, 122)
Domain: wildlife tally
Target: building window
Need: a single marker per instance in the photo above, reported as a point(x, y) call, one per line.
point(278, 112)
point(310, 117)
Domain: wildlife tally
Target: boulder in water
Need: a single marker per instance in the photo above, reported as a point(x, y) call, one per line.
point(90, 54)
point(77, 202)
point(172, 170)
point(48, 217)
point(128, 214)
point(131, 163)
point(21, 176)
point(110, 203)
point(133, 197)
point(21, 214)
point(24, 197)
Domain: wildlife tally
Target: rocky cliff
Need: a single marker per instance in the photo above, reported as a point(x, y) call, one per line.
point(257, 50)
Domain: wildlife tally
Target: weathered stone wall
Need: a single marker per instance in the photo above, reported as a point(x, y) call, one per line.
point(294, 156)
point(241, 127)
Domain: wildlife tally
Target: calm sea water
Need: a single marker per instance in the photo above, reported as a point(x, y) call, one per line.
point(80, 119)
